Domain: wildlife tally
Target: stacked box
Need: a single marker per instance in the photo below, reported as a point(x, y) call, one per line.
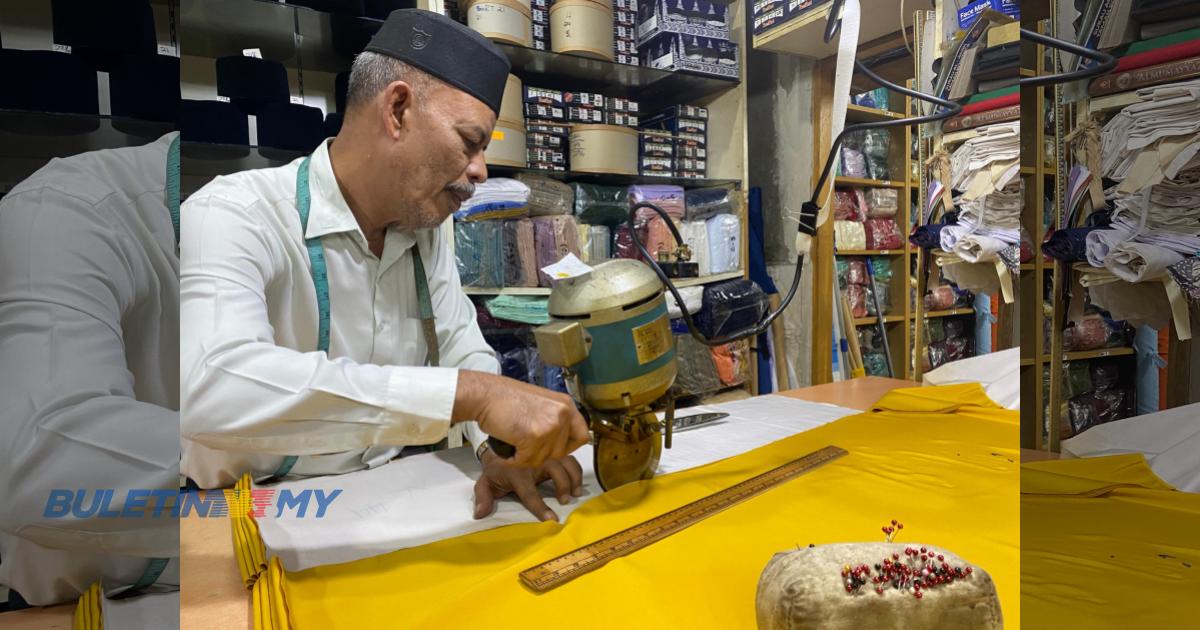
point(683, 17)
point(547, 132)
point(540, 10)
point(625, 32)
point(675, 51)
point(656, 153)
point(686, 127)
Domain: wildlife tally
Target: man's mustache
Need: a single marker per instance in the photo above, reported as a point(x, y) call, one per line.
point(467, 188)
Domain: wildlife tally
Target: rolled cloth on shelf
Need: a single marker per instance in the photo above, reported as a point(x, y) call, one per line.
point(702, 203)
point(669, 198)
point(556, 236)
point(729, 307)
point(601, 205)
point(548, 195)
point(595, 243)
point(695, 234)
point(478, 252)
point(975, 248)
point(724, 243)
point(849, 235)
point(927, 236)
point(520, 254)
point(1068, 245)
point(1138, 262)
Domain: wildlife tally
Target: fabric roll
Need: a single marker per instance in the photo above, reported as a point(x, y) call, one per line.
point(703, 203)
point(976, 248)
point(595, 243)
point(1068, 245)
point(695, 234)
point(601, 205)
point(478, 251)
point(724, 243)
point(548, 196)
point(849, 235)
point(854, 163)
point(1138, 262)
point(927, 236)
point(556, 236)
point(520, 254)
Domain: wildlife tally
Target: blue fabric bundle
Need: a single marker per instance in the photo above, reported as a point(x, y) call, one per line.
point(927, 236)
point(478, 251)
point(1068, 245)
point(730, 307)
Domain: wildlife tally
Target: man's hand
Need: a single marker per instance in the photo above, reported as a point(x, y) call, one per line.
point(541, 424)
point(500, 477)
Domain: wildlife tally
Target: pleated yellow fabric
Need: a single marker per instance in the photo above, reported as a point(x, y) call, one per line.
point(944, 461)
point(88, 612)
point(247, 543)
point(1106, 544)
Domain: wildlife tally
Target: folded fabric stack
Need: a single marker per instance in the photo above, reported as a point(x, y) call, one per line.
point(865, 219)
point(547, 195)
point(950, 339)
point(1160, 130)
point(1168, 48)
point(724, 243)
point(993, 146)
point(695, 235)
point(601, 205)
point(497, 198)
point(986, 226)
point(702, 203)
point(478, 251)
point(556, 236)
point(526, 309)
point(1094, 396)
point(669, 198)
point(1137, 255)
point(520, 254)
point(595, 243)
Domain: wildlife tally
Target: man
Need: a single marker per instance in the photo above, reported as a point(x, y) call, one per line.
point(89, 381)
point(290, 371)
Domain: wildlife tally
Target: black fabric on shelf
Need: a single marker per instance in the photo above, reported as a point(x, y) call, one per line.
point(145, 87)
point(380, 9)
point(1146, 11)
point(250, 83)
point(213, 122)
point(345, 7)
point(341, 87)
point(47, 81)
point(101, 33)
point(333, 124)
point(290, 126)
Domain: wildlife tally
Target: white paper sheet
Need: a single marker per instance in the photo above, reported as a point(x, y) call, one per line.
point(424, 498)
point(998, 372)
point(1169, 439)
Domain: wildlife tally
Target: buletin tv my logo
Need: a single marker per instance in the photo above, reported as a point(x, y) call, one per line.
point(160, 503)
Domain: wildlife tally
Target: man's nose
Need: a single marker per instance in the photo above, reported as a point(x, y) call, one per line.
point(477, 169)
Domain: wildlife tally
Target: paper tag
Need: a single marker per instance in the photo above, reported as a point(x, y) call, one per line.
point(62, 48)
point(296, 100)
point(568, 267)
point(497, 134)
point(168, 50)
point(252, 52)
point(223, 99)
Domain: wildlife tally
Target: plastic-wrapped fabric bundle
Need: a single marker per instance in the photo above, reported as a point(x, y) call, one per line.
point(854, 163)
point(478, 251)
point(1104, 375)
point(547, 195)
point(882, 286)
point(1079, 378)
point(849, 205)
point(883, 234)
point(732, 361)
point(527, 309)
point(1089, 333)
point(875, 363)
point(695, 234)
point(487, 321)
point(849, 235)
point(696, 371)
point(724, 243)
point(851, 271)
point(520, 254)
point(729, 307)
point(882, 203)
point(556, 236)
point(595, 243)
point(601, 205)
point(935, 331)
point(1097, 407)
point(669, 198)
point(497, 198)
point(702, 203)
point(875, 146)
point(856, 296)
point(658, 238)
point(514, 363)
point(622, 243)
point(940, 298)
point(955, 327)
point(693, 299)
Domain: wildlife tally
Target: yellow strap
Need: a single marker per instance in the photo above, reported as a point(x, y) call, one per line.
point(247, 543)
point(88, 612)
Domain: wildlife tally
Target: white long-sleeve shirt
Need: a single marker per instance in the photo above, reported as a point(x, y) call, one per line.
point(254, 387)
point(89, 359)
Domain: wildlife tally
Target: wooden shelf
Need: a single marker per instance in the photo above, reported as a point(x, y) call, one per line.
point(1087, 355)
point(858, 113)
point(679, 284)
point(870, 252)
point(868, 321)
point(611, 179)
point(842, 180)
point(804, 34)
point(950, 312)
point(1028, 267)
point(1026, 362)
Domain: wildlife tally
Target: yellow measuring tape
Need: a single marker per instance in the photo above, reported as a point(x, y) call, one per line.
point(590, 557)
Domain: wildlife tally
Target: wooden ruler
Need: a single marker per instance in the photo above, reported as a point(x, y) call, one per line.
point(590, 557)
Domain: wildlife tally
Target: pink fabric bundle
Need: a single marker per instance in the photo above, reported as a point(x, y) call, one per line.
point(555, 236)
point(657, 237)
point(623, 246)
point(520, 254)
point(940, 298)
point(849, 205)
point(883, 234)
point(669, 198)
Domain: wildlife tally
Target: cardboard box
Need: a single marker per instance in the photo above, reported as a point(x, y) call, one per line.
point(672, 123)
point(690, 174)
point(617, 104)
point(687, 17)
point(542, 96)
point(690, 164)
point(546, 156)
point(548, 166)
point(656, 164)
point(684, 111)
point(673, 51)
point(545, 140)
point(968, 14)
point(629, 60)
point(548, 127)
point(621, 118)
point(689, 151)
point(585, 115)
point(549, 112)
point(583, 99)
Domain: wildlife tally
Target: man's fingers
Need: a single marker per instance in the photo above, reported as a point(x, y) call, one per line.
point(562, 481)
point(528, 494)
point(484, 501)
point(579, 432)
point(575, 471)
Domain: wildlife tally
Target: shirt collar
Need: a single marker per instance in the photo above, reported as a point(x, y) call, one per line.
point(330, 214)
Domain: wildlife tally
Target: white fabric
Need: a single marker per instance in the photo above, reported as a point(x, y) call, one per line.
point(693, 299)
point(497, 190)
point(998, 372)
point(1169, 439)
point(849, 235)
point(991, 144)
point(428, 497)
point(254, 387)
point(159, 611)
point(89, 295)
point(724, 238)
point(1138, 303)
point(695, 234)
point(1138, 262)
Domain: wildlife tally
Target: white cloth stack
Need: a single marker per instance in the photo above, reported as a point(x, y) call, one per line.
point(992, 144)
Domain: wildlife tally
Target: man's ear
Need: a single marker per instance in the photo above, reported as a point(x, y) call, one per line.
point(398, 107)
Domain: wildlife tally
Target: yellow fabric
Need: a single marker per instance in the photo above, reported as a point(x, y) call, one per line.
point(941, 460)
point(247, 543)
point(88, 613)
point(1107, 544)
